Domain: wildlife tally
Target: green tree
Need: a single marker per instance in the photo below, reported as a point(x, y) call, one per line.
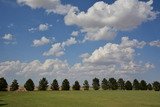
point(43, 84)
point(29, 85)
point(54, 85)
point(105, 84)
point(149, 87)
point(96, 84)
point(65, 85)
point(113, 84)
point(86, 85)
point(143, 85)
point(76, 86)
point(14, 86)
point(121, 84)
point(128, 85)
point(3, 84)
point(156, 86)
point(136, 85)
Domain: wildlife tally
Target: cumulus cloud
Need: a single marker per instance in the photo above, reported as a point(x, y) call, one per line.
point(155, 43)
point(44, 27)
point(102, 20)
point(55, 50)
point(75, 33)
point(41, 27)
point(34, 69)
point(115, 53)
point(68, 42)
point(112, 60)
point(54, 6)
point(40, 42)
point(58, 49)
point(8, 37)
point(117, 57)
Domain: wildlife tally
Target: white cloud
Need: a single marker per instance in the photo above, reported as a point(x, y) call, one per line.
point(42, 41)
point(55, 50)
point(8, 37)
point(34, 69)
point(75, 33)
point(54, 6)
point(41, 27)
point(118, 56)
point(155, 43)
point(103, 20)
point(58, 49)
point(68, 42)
point(112, 60)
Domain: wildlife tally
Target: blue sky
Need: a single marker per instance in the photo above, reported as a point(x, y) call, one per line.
point(99, 34)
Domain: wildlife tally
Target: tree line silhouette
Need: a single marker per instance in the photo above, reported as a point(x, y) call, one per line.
point(110, 84)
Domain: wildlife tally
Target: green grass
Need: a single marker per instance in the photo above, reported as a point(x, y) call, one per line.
point(80, 99)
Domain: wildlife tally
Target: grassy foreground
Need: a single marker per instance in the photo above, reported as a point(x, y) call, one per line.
point(80, 99)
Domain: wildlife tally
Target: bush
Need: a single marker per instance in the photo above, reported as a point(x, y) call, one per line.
point(76, 86)
point(29, 85)
point(14, 86)
point(3, 84)
point(54, 85)
point(95, 84)
point(43, 84)
point(86, 85)
point(65, 85)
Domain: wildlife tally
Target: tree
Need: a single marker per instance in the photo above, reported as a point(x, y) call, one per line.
point(136, 85)
point(96, 84)
point(128, 85)
point(43, 84)
point(105, 84)
point(149, 87)
point(121, 84)
point(86, 85)
point(14, 86)
point(29, 85)
point(65, 85)
point(156, 86)
point(113, 84)
point(76, 86)
point(3, 84)
point(54, 85)
point(143, 85)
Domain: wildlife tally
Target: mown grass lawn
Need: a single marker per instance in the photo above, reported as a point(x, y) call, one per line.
point(80, 99)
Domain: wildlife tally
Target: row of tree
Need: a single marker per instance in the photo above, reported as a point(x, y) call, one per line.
point(111, 84)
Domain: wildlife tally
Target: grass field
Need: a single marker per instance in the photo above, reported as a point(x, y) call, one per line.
point(80, 99)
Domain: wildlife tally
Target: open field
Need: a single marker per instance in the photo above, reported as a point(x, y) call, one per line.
point(80, 99)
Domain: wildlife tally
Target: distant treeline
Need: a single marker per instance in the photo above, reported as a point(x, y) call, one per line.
point(110, 84)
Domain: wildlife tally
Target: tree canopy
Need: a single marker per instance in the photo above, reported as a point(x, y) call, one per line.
point(96, 84)
point(14, 86)
point(29, 85)
point(65, 84)
point(54, 85)
point(3, 84)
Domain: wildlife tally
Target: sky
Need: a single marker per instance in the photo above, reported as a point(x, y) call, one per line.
point(79, 40)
